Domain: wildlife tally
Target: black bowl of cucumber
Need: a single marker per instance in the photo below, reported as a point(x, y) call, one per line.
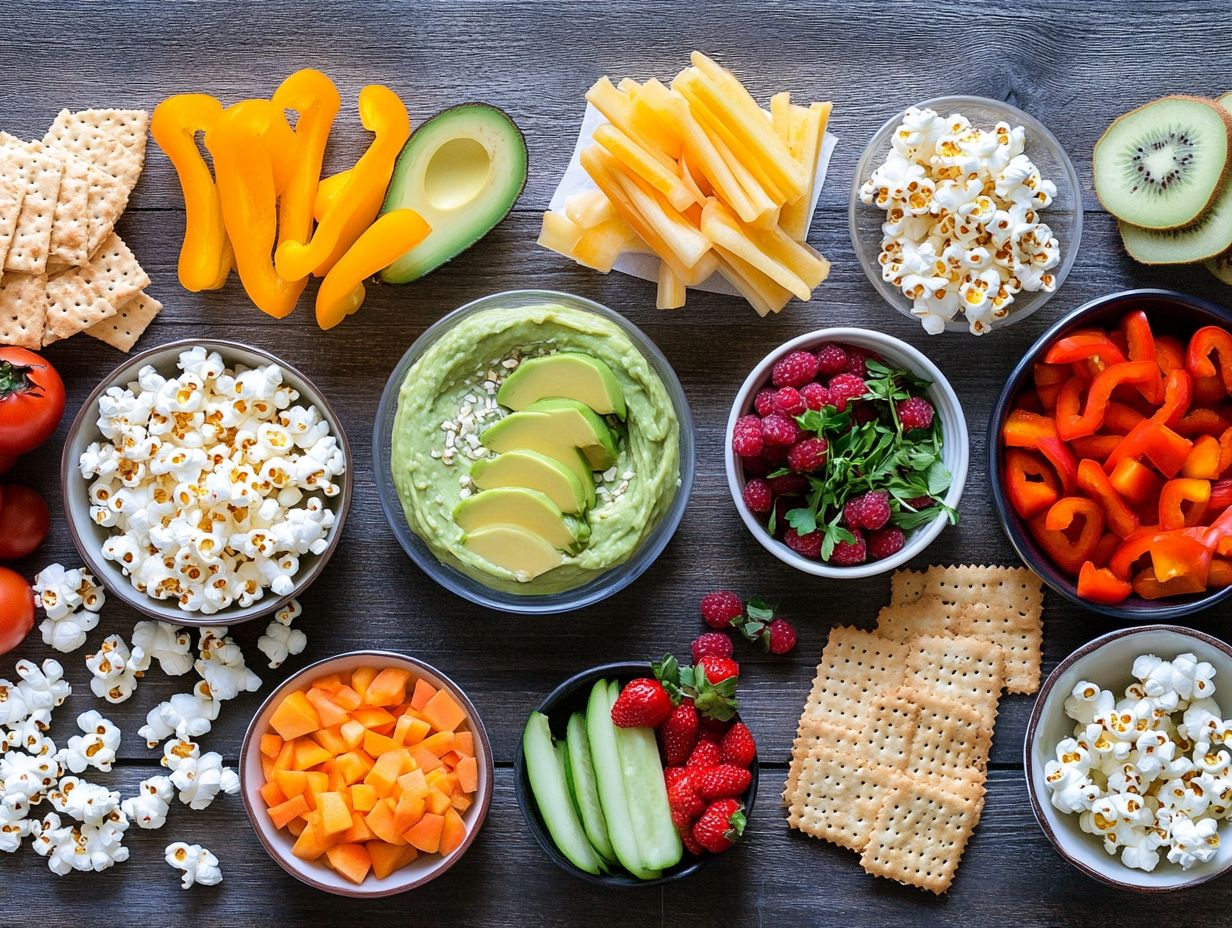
point(585, 840)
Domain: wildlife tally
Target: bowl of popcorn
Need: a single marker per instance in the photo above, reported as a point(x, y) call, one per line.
point(1129, 758)
point(965, 213)
point(206, 482)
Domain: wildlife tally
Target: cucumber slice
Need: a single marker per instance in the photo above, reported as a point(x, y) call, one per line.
point(585, 790)
point(547, 781)
point(610, 780)
point(646, 794)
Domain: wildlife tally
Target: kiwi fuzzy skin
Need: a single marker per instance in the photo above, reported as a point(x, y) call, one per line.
point(1227, 121)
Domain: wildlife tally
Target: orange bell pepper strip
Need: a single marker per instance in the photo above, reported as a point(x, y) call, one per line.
point(1148, 587)
point(241, 143)
point(1072, 424)
point(1203, 460)
point(1106, 547)
point(1135, 482)
point(1117, 515)
point(314, 97)
point(1175, 494)
point(1030, 483)
point(1101, 585)
point(1173, 554)
point(1220, 574)
point(1082, 346)
point(392, 235)
point(1034, 432)
point(1068, 546)
point(205, 255)
point(357, 204)
point(1208, 340)
point(1225, 452)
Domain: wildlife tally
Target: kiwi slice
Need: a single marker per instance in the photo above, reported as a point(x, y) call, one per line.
point(1221, 267)
point(1161, 165)
point(1204, 238)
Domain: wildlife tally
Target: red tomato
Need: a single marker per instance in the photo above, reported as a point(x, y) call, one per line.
point(16, 609)
point(24, 521)
point(31, 400)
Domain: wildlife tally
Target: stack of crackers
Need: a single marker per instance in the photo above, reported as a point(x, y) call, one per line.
point(64, 270)
point(892, 750)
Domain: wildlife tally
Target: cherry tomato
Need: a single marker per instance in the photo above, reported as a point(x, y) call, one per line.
point(16, 609)
point(24, 521)
point(31, 400)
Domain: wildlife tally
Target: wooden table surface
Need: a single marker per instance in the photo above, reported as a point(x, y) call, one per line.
point(1074, 67)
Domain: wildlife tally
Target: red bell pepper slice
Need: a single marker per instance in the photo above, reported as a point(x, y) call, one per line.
point(1169, 354)
point(1117, 515)
point(1121, 418)
point(1203, 421)
point(1096, 447)
point(1225, 451)
point(1209, 391)
point(1082, 346)
point(1221, 496)
point(1034, 432)
point(1136, 482)
point(1203, 460)
point(1173, 554)
point(1030, 483)
point(1100, 585)
point(1173, 497)
point(1220, 574)
point(1139, 340)
point(1068, 545)
point(1208, 340)
point(1071, 424)
point(1153, 438)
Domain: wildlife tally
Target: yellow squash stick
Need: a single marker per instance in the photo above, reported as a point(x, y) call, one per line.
point(315, 98)
point(354, 207)
point(342, 290)
point(205, 256)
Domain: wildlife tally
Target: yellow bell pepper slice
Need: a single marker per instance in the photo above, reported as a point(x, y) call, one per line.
point(327, 190)
point(205, 255)
point(342, 290)
point(315, 98)
point(357, 204)
point(250, 158)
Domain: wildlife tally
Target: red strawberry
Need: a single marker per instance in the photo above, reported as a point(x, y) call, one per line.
point(720, 825)
point(686, 838)
point(738, 746)
point(717, 669)
point(678, 733)
point(721, 781)
point(685, 803)
point(705, 755)
point(643, 703)
point(673, 775)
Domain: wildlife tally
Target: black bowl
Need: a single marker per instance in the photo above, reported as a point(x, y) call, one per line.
point(562, 702)
point(1170, 312)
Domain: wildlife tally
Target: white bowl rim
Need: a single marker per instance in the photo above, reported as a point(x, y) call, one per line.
point(1042, 817)
point(920, 364)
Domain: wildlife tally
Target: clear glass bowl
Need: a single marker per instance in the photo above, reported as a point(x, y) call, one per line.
point(447, 575)
point(1064, 215)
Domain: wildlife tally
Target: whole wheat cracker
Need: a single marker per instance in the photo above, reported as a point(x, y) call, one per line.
point(23, 309)
point(964, 669)
point(855, 666)
point(838, 797)
point(74, 304)
point(71, 218)
point(124, 328)
point(12, 193)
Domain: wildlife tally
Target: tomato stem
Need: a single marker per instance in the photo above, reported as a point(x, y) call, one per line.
point(15, 378)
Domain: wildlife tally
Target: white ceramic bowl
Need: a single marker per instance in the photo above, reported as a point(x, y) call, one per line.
point(89, 536)
point(1106, 662)
point(278, 842)
point(956, 450)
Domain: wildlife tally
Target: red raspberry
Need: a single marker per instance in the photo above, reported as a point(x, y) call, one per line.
point(738, 746)
point(849, 553)
point(862, 413)
point(782, 636)
point(789, 402)
point(831, 359)
point(704, 755)
point(711, 644)
point(795, 370)
point(808, 456)
point(782, 506)
point(789, 484)
point(747, 439)
point(775, 454)
point(764, 402)
point(755, 467)
point(915, 413)
point(758, 496)
point(719, 608)
point(888, 541)
point(815, 395)
point(857, 361)
point(779, 430)
point(805, 545)
point(845, 387)
point(871, 510)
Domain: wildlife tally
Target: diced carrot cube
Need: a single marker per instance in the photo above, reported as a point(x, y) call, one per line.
point(413, 783)
point(385, 771)
point(424, 691)
point(331, 739)
point(426, 833)
point(291, 782)
point(443, 712)
point(271, 744)
point(464, 743)
point(286, 757)
point(453, 832)
point(374, 718)
point(435, 777)
point(351, 860)
point(410, 730)
point(360, 678)
point(408, 811)
point(451, 759)
point(461, 801)
point(337, 782)
point(438, 802)
point(425, 758)
point(352, 732)
point(354, 766)
point(468, 774)
point(328, 683)
point(308, 754)
point(295, 716)
point(329, 711)
point(439, 744)
point(449, 784)
point(359, 830)
point(347, 698)
point(272, 793)
point(388, 688)
point(377, 744)
point(267, 767)
point(284, 812)
point(297, 826)
point(311, 843)
point(381, 821)
point(363, 797)
point(318, 782)
point(335, 816)
point(386, 858)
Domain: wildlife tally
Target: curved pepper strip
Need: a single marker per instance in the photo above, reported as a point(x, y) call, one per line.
point(205, 255)
point(1083, 346)
point(1173, 554)
point(1225, 452)
point(1053, 531)
point(1202, 421)
point(1208, 340)
point(328, 190)
point(392, 235)
point(1101, 585)
point(1117, 515)
point(1034, 432)
point(1203, 460)
point(240, 143)
point(357, 204)
point(1169, 354)
point(1153, 437)
point(1220, 574)
point(271, 129)
point(1139, 340)
point(1172, 512)
point(1209, 391)
point(1148, 587)
point(1096, 447)
point(1121, 418)
point(314, 97)
point(1135, 481)
point(1071, 424)
point(1108, 543)
point(1031, 484)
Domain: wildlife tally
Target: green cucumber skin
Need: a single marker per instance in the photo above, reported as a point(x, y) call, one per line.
point(546, 772)
point(646, 794)
point(585, 790)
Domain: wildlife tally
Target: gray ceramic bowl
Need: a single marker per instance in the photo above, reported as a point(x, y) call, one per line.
point(89, 537)
point(278, 842)
point(1106, 661)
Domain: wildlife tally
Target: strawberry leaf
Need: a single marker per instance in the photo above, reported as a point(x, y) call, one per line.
point(667, 671)
point(736, 823)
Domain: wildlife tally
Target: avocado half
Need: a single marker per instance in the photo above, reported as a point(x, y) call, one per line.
point(462, 170)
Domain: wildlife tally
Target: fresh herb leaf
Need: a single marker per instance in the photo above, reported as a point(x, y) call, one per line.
point(802, 520)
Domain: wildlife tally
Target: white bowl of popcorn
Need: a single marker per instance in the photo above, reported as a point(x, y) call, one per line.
point(1129, 758)
point(206, 482)
point(965, 213)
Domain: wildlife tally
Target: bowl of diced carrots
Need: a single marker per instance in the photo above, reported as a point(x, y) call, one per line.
point(366, 774)
point(1110, 453)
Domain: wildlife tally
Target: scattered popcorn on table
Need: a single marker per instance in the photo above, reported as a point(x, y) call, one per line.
point(81, 847)
point(199, 865)
point(112, 677)
point(71, 599)
point(184, 715)
point(97, 745)
point(27, 776)
point(1148, 773)
point(963, 232)
point(280, 640)
point(198, 777)
point(148, 809)
point(167, 644)
point(84, 801)
point(213, 482)
point(14, 822)
point(222, 666)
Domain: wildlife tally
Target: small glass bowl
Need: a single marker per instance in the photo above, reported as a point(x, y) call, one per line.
point(1064, 216)
point(610, 581)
